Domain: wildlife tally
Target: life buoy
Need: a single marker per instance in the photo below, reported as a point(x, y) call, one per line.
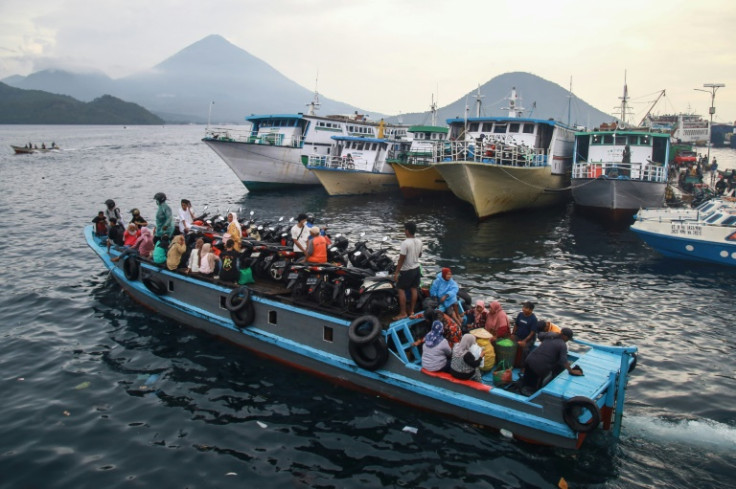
point(237, 299)
point(364, 330)
point(576, 407)
point(370, 356)
point(131, 268)
point(155, 285)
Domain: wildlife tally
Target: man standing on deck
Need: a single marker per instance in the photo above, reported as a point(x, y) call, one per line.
point(300, 234)
point(525, 331)
point(550, 357)
point(164, 217)
point(407, 273)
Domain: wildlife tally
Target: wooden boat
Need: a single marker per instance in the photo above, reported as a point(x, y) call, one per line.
point(415, 169)
point(377, 355)
point(504, 164)
point(706, 233)
point(25, 150)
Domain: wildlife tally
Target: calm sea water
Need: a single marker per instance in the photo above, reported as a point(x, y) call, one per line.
point(100, 392)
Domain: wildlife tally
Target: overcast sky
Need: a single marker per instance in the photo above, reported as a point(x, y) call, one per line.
point(390, 56)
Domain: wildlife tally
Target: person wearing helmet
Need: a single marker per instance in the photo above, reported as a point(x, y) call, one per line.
point(164, 217)
point(112, 211)
point(137, 219)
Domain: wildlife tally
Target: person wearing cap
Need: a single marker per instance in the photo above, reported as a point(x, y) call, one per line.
point(525, 331)
point(548, 359)
point(111, 210)
point(137, 219)
point(445, 289)
point(317, 246)
point(164, 218)
point(300, 234)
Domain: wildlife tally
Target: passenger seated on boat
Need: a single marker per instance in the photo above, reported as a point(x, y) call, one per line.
point(453, 333)
point(193, 264)
point(436, 352)
point(546, 326)
point(115, 234)
point(100, 224)
point(138, 219)
point(177, 250)
point(235, 231)
point(525, 330)
point(317, 246)
point(131, 234)
point(467, 357)
point(477, 316)
point(160, 250)
point(445, 289)
point(229, 260)
point(497, 321)
point(720, 186)
point(207, 261)
point(547, 361)
point(143, 246)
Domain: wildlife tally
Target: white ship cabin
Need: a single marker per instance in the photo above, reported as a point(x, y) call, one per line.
point(360, 154)
point(635, 155)
point(427, 144)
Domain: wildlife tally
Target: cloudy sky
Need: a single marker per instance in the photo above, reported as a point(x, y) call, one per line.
point(391, 56)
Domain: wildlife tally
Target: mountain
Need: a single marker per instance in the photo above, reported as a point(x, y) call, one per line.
point(541, 98)
point(18, 106)
point(182, 88)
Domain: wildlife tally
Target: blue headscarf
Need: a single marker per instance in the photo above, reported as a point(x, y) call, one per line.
point(436, 335)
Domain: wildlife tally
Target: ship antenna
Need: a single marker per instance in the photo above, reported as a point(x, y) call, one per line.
point(314, 104)
point(433, 109)
point(478, 101)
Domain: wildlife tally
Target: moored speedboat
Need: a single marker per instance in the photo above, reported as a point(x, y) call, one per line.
point(379, 357)
point(706, 233)
point(503, 164)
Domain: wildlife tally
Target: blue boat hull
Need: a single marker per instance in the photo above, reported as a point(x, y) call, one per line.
point(688, 249)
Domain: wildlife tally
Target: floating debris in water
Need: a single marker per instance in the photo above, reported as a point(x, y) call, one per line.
point(410, 429)
point(21, 379)
point(262, 424)
point(67, 413)
point(83, 385)
point(231, 473)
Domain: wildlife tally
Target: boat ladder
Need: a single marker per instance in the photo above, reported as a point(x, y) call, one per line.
point(403, 341)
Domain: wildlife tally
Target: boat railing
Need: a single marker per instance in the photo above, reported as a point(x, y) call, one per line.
point(248, 137)
point(339, 162)
point(647, 172)
point(495, 153)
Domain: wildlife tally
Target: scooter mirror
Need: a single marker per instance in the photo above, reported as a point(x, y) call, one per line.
point(357, 253)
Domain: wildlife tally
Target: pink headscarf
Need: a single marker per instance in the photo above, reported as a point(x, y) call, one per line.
point(497, 322)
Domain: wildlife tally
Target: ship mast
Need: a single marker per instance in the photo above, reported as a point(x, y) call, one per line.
point(478, 102)
point(514, 109)
point(433, 109)
point(314, 104)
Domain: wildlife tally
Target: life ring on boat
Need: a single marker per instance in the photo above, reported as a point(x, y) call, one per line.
point(364, 330)
point(576, 407)
point(131, 268)
point(370, 356)
point(237, 299)
point(241, 308)
point(155, 285)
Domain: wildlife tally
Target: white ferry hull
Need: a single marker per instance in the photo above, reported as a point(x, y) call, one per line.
point(617, 195)
point(261, 166)
point(355, 182)
point(496, 189)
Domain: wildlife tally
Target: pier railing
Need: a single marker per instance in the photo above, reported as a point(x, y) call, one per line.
point(487, 151)
point(649, 171)
point(247, 137)
point(340, 163)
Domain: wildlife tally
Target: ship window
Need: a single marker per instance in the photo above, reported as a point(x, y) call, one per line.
point(327, 334)
point(620, 140)
point(528, 128)
point(596, 139)
point(608, 139)
point(714, 217)
point(499, 129)
point(273, 317)
point(729, 221)
point(514, 127)
point(487, 126)
point(223, 299)
point(171, 285)
point(473, 127)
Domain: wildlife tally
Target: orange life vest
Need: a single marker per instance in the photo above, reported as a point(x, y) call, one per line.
point(319, 250)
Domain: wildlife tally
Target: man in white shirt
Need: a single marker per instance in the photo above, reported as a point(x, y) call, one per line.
point(300, 234)
point(407, 273)
point(186, 216)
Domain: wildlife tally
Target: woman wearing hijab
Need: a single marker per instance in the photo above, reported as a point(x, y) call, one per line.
point(207, 260)
point(144, 244)
point(497, 322)
point(480, 315)
point(467, 357)
point(193, 265)
point(445, 289)
point(436, 352)
point(176, 251)
point(235, 231)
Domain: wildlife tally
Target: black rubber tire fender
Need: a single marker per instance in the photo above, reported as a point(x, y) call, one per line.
point(155, 285)
point(131, 267)
point(571, 413)
point(237, 299)
point(359, 332)
point(244, 317)
point(370, 356)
